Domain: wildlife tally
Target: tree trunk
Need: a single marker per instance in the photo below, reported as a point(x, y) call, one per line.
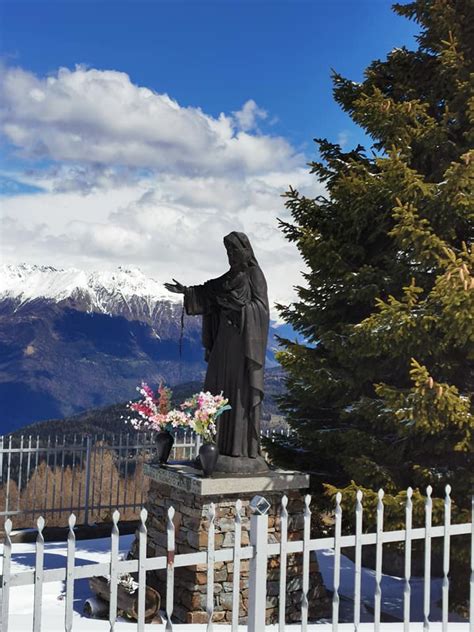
point(127, 603)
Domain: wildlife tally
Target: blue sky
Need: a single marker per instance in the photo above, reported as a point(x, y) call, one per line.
point(217, 54)
point(79, 186)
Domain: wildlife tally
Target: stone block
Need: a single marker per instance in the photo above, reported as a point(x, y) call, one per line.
point(225, 600)
point(226, 524)
point(221, 576)
point(218, 616)
point(196, 617)
point(273, 588)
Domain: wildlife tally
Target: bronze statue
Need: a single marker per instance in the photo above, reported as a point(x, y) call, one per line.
point(235, 321)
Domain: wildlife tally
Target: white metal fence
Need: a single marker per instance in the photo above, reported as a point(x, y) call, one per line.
point(88, 474)
point(258, 552)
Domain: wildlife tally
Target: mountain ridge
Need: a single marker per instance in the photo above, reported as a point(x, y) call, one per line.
point(125, 290)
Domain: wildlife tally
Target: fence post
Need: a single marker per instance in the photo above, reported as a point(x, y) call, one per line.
point(88, 480)
point(6, 575)
point(259, 507)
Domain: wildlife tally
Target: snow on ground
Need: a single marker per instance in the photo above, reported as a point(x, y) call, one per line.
point(98, 550)
point(392, 590)
point(21, 598)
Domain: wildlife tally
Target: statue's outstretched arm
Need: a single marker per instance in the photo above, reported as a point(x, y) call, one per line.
point(176, 287)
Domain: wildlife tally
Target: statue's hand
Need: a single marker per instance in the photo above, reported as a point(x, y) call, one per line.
point(176, 287)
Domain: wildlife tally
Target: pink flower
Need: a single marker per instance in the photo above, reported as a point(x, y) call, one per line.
point(147, 390)
point(177, 418)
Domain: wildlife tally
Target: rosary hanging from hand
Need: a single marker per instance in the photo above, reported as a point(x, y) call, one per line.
point(181, 333)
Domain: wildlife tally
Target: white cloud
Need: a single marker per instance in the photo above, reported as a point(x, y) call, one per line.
point(343, 138)
point(101, 117)
point(133, 178)
point(170, 226)
point(248, 116)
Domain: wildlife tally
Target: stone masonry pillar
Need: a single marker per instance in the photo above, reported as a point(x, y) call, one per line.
point(190, 494)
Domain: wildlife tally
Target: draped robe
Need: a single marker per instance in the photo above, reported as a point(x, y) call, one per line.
point(235, 321)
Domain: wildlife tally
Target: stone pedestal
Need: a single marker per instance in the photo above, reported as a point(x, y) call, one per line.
point(190, 494)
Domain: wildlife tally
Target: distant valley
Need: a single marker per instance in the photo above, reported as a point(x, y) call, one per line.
point(110, 420)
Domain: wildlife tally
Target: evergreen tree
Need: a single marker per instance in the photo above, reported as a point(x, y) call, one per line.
point(380, 391)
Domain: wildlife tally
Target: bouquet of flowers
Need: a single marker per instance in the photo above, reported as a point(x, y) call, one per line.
point(204, 410)
point(154, 410)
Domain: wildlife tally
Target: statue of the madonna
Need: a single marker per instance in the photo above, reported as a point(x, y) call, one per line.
point(235, 320)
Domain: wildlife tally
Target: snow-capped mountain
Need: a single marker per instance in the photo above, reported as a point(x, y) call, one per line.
point(125, 291)
point(72, 340)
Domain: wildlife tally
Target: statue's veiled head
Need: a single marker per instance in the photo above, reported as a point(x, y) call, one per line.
point(239, 250)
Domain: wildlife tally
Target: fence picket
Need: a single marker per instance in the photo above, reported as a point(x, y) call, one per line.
point(6, 569)
point(39, 569)
point(358, 559)
point(471, 582)
point(142, 482)
point(111, 474)
point(92, 474)
point(137, 446)
point(55, 461)
point(70, 563)
point(28, 462)
point(236, 560)
point(114, 558)
point(101, 474)
point(407, 588)
point(446, 547)
point(210, 567)
point(337, 562)
point(283, 564)
point(20, 475)
point(306, 554)
point(119, 457)
point(87, 482)
point(61, 484)
point(127, 450)
point(190, 449)
point(9, 461)
point(142, 540)
point(378, 562)
point(170, 531)
point(2, 450)
point(73, 467)
point(427, 572)
point(197, 446)
point(35, 477)
point(45, 497)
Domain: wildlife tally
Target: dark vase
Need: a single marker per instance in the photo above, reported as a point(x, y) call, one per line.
point(208, 455)
point(164, 443)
